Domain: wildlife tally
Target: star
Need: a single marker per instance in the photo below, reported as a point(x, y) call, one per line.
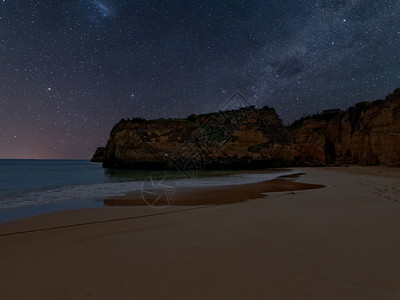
point(172, 58)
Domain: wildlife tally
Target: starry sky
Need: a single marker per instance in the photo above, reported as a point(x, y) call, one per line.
point(70, 70)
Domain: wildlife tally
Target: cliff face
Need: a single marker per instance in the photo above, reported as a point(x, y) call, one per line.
point(367, 134)
point(370, 133)
point(230, 139)
point(99, 155)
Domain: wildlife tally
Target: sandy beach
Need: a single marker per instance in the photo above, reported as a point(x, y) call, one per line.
point(337, 242)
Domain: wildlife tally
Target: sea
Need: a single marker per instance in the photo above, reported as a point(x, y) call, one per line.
point(32, 187)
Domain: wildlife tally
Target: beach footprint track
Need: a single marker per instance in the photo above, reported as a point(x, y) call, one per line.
point(388, 192)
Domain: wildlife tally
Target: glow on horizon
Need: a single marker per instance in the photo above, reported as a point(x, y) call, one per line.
point(40, 154)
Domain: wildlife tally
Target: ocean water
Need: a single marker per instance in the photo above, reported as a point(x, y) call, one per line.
point(30, 187)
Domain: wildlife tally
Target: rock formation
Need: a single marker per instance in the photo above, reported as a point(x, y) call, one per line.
point(99, 155)
point(366, 134)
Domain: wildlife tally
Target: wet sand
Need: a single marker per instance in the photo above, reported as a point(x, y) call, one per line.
point(338, 242)
point(195, 196)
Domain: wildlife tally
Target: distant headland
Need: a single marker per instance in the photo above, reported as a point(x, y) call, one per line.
point(365, 134)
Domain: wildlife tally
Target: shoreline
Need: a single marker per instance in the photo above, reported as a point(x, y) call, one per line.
point(212, 195)
point(341, 241)
point(97, 199)
point(191, 196)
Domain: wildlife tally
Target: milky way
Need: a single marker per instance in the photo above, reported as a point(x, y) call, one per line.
point(69, 70)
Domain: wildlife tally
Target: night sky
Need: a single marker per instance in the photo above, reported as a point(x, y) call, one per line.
point(70, 70)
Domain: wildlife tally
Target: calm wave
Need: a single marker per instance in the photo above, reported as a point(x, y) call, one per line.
point(78, 183)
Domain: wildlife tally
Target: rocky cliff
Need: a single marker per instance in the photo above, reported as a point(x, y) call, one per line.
point(229, 139)
point(366, 134)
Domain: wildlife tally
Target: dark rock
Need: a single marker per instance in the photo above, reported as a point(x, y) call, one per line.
point(366, 134)
point(99, 155)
